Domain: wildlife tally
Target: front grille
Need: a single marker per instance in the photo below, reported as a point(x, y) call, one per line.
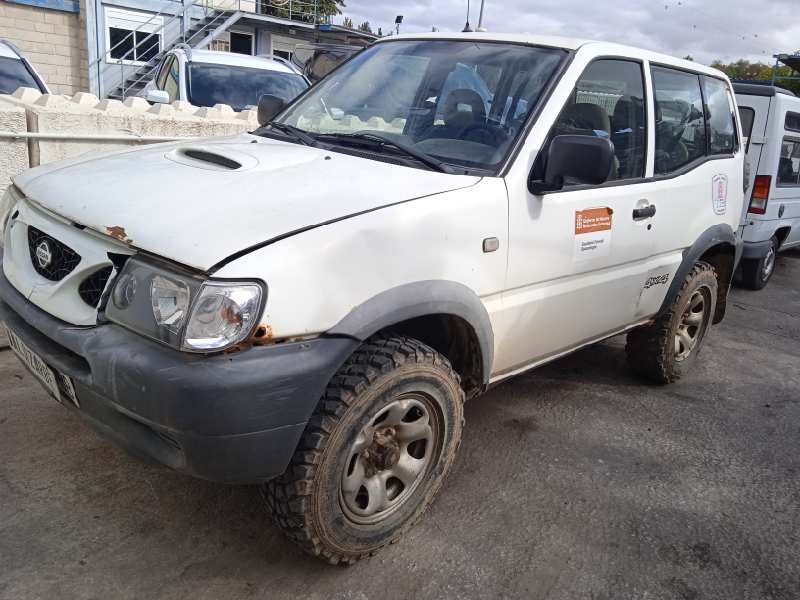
point(51, 259)
point(91, 288)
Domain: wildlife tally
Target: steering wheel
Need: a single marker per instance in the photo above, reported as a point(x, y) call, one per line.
point(480, 133)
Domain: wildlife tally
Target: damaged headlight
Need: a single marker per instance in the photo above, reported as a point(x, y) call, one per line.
point(183, 310)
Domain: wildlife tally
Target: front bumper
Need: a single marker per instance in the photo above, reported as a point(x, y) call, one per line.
point(231, 417)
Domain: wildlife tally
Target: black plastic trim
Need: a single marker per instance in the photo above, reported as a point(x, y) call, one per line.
point(713, 236)
point(418, 299)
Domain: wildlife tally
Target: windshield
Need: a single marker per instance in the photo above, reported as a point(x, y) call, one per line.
point(239, 87)
point(14, 74)
point(462, 102)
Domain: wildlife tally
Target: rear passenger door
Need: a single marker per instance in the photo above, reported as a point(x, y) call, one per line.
point(696, 181)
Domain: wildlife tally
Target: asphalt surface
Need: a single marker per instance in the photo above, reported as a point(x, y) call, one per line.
point(574, 481)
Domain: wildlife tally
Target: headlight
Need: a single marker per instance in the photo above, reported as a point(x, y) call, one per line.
point(7, 204)
point(183, 310)
point(223, 314)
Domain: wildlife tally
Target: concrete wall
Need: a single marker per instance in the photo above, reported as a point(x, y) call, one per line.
point(85, 115)
point(54, 41)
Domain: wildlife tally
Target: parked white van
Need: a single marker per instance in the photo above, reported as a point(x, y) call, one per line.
point(771, 122)
point(310, 305)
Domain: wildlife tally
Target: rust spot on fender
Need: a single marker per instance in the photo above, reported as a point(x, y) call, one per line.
point(118, 232)
point(262, 336)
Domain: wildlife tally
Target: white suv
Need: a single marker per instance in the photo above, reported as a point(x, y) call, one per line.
point(309, 305)
point(208, 77)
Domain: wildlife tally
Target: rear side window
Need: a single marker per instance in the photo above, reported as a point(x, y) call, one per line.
point(719, 116)
point(789, 163)
point(747, 116)
point(608, 101)
point(792, 122)
point(680, 121)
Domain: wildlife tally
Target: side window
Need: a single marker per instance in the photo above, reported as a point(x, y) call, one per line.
point(719, 116)
point(789, 163)
point(792, 122)
point(680, 123)
point(171, 80)
point(747, 116)
point(608, 101)
point(164, 71)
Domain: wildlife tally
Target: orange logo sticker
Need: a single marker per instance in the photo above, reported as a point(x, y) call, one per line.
point(592, 220)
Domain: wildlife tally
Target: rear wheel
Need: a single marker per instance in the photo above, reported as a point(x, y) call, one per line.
point(757, 272)
point(375, 452)
point(664, 350)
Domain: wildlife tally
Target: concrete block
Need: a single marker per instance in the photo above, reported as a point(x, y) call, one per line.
point(137, 104)
point(27, 95)
point(85, 99)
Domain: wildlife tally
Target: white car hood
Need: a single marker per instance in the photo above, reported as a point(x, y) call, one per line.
point(159, 200)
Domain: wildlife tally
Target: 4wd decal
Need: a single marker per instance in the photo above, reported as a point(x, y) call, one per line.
point(719, 194)
point(656, 280)
point(592, 233)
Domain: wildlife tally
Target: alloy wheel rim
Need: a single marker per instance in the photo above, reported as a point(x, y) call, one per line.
point(389, 459)
point(690, 327)
point(769, 264)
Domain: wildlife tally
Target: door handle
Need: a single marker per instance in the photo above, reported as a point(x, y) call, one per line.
point(644, 213)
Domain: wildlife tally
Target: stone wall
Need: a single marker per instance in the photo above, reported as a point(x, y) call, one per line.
point(74, 121)
point(54, 41)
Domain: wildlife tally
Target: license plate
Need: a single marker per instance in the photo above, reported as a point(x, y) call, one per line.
point(49, 378)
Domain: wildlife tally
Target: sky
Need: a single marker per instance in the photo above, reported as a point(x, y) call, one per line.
point(705, 29)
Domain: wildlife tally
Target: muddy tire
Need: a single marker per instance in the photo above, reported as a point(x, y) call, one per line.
point(665, 350)
point(757, 272)
point(375, 452)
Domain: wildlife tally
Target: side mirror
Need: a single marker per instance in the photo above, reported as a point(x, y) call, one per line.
point(268, 107)
point(588, 159)
point(157, 97)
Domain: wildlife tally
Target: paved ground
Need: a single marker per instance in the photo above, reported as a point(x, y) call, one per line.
point(575, 481)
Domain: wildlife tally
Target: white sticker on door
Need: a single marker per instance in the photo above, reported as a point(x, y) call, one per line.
point(592, 233)
point(719, 194)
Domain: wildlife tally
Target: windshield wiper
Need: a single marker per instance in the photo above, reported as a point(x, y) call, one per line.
point(295, 132)
point(379, 141)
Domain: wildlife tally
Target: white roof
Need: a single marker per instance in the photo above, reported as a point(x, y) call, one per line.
point(6, 51)
point(238, 60)
point(567, 43)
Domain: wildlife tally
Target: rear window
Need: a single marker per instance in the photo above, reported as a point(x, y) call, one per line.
point(792, 122)
point(14, 74)
point(747, 116)
point(239, 87)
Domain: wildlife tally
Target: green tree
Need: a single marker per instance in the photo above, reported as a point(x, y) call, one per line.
point(348, 22)
point(365, 27)
point(750, 71)
point(330, 7)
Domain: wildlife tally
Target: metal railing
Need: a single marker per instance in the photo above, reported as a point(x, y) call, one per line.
point(132, 71)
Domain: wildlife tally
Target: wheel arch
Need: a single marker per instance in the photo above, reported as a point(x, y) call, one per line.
point(782, 233)
point(446, 315)
point(719, 247)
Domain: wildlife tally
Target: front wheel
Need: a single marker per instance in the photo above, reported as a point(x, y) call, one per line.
point(375, 452)
point(756, 272)
point(664, 350)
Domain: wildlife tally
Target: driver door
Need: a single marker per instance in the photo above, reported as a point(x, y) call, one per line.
point(578, 257)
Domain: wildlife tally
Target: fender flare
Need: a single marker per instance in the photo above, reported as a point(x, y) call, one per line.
point(419, 299)
point(721, 233)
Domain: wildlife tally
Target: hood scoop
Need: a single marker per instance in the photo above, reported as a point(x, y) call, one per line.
point(213, 159)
